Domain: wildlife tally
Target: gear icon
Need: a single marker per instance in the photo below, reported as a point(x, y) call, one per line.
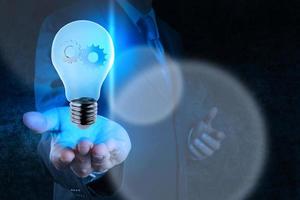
point(93, 55)
point(72, 51)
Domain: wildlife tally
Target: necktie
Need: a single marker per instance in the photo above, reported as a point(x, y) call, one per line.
point(149, 30)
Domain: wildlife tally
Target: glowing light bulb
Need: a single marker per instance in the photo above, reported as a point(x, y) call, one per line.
point(83, 54)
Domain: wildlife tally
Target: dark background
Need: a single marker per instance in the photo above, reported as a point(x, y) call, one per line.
point(257, 40)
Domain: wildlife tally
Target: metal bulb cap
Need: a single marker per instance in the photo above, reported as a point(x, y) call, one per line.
point(84, 111)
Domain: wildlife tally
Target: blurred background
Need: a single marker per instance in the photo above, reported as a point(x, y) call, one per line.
point(258, 41)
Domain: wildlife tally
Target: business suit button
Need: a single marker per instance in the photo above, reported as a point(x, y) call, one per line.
point(75, 190)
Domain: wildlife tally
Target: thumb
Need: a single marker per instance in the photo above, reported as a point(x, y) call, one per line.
point(210, 115)
point(39, 122)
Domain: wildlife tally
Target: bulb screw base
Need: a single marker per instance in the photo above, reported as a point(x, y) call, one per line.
point(84, 111)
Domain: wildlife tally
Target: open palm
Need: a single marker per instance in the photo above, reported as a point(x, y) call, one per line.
point(96, 148)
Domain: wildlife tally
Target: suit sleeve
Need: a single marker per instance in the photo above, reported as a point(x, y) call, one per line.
point(49, 93)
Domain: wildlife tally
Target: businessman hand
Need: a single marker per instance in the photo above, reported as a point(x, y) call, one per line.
point(97, 148)
point(204, 140)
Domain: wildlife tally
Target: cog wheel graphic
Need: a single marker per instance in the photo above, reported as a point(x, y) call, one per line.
point(94, 56)
point(71, 52)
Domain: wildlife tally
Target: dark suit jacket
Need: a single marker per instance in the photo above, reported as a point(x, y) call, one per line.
point(50, 93)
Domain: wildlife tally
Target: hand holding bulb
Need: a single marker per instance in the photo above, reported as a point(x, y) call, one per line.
point(82, 54)
point(98, 148)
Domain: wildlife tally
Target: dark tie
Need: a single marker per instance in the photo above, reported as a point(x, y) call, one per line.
point(149, 30)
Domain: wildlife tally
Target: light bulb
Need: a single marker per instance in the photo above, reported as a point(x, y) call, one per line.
point(82, 54)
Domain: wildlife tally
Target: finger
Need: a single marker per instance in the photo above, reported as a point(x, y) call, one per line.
point(217, 135)
point(105, 165)
point(118, 151)
point(99, 153)
point(211, 115)
point(81, 171)
point(84, 147)
point(61, 157)
point(67, 156)
point(201, 128)
point(200, 146)
point(195, 153)
point(35, 121)
point(41, 123)
point(210, 141)
point(111, 145)
point(101, 160)
point(81, 165)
